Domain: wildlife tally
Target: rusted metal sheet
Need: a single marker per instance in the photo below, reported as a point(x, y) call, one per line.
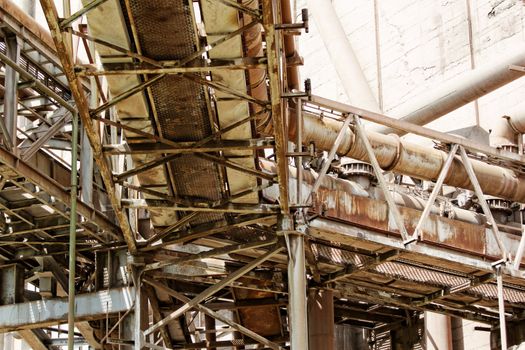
point(261, 320)
point(340, 200)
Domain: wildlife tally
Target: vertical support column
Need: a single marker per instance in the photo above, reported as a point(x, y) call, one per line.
point(138, 335)
point(437, 332)
point(501, 308)
point(321, 327)
point(86, 152)
point(296, 285)
point(11, 90)
point(211, 335)
point(72, 235)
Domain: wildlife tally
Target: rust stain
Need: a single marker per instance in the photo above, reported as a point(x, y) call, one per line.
point(371, 213)
point(263, 320)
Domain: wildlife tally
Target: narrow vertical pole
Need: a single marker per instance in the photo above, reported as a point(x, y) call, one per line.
point(211, 335)
point(299, 148)
point(86, 152)
point(72, 234)
point(501, 307)
point(139, 337)
point(296, 284)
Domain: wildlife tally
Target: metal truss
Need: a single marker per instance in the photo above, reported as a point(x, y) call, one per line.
point(213, 254)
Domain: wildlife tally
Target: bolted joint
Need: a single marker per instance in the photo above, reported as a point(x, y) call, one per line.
point(291, 28)
point(300, 94)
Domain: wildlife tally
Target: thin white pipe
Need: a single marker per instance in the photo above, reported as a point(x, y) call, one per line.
point(342, 55)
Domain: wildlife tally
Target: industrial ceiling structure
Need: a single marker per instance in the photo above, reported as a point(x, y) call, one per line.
point(168, 182)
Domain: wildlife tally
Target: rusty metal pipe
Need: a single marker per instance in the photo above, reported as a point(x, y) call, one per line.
point(411, 159)
point(253, 46)
point(292, 73)
point(458, 92)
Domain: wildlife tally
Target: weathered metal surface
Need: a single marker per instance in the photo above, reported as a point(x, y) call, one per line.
point(264, 320)
point(412, 159)
point(83, 110)
point(37, 314)
point(341, 200)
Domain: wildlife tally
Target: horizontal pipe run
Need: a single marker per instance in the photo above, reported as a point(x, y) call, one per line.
point(411, 159)
point(458, 92)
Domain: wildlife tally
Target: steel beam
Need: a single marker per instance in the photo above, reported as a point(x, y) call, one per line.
point(419, 130)
point(187, 147)
point(42, 313)
point(212, 290)
point(381, 179)
point(330, 158)
point(59, 39)
point(215, 315)
point(226, 208)
point(273, 47)
point(133, 69)
point(483, 203)
point(11, 93)
point(437, 187)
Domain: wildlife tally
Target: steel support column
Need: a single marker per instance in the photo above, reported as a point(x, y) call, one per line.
point(72, 236)
point(501, 308)
point(296, 285)
point(11, 91)
point(321, 327)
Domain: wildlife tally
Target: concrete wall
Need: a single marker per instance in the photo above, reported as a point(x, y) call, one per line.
point(421, 44)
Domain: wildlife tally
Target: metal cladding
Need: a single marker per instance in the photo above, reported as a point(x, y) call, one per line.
point(411, 159)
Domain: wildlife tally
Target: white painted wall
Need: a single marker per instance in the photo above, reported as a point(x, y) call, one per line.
point(421, 44)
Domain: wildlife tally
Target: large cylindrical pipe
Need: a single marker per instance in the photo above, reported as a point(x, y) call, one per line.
point(29, 23)
point(342, 55)
point(458, 92)
point(411, 159)
point(292, 73)
point(253, 47)
point(321, 322)
point(438, 335)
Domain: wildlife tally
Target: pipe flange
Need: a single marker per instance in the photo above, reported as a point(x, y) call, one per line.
point(356, 168)
point(499, 204)
point(399, 149)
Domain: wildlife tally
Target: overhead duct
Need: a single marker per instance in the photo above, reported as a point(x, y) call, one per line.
point(410, 159)
point(458, 91)
point(342, 55)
